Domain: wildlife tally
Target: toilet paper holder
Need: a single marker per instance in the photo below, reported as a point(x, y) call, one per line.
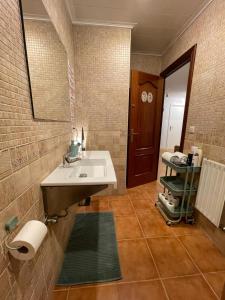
point(27, 240)
point(10, 225)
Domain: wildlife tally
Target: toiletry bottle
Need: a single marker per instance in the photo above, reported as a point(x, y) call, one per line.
point(190, 159)
point(82, 140)
point(196, 159)
point(194, 149)
point(73, 149)
point(199, 151)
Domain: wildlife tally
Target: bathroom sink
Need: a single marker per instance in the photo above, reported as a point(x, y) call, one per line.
point(89, 168)
point(81, 179)
point(95, 167)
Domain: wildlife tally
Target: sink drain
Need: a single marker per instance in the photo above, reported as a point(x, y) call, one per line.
point(83, 175)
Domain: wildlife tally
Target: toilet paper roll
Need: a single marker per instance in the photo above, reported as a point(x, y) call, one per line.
point(28, 240)
point(167, 202)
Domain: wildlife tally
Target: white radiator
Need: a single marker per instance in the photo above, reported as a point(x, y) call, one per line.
point(211, 191)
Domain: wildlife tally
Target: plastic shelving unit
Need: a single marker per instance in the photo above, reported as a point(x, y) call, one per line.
point(179, 186)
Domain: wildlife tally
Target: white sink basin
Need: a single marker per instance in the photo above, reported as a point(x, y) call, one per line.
point(94, 168)
point(89, 168)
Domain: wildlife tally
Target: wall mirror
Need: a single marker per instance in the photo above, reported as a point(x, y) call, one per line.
point(47, 64)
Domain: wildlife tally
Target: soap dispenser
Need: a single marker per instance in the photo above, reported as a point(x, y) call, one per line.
point(74, 147)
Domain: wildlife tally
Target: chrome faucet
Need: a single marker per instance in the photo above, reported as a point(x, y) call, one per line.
point(67, 160)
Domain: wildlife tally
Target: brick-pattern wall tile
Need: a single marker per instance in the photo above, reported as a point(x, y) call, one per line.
point(5, 163)
point(5, 285)
point(29, 150)
point(146, 63)
point(7, 192)
point(102, 67)
point(207, 102)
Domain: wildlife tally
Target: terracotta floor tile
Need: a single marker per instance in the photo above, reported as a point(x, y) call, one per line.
point(142, 203)
point(94, 293)
point(121, 207)
point(60, 295)
point(171, 257)
point(149, 211)
point(154, 192)
point(151, 290)
point(188, 288)
point(136, 261)
point(186, 229)
point(100, 197)
point(150, 187)
point(127, 227)
point(205, 254)
point(153, 224)
point(118, 197)
point(95, 206)
point(99, 205)
point(217, 281)
point(93, 285)
point(154, 197)
point(60, 287)
point(138, 193)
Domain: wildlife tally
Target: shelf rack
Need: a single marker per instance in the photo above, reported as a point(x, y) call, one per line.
point(184, 187)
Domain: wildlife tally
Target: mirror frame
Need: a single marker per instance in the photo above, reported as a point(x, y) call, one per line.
point(28, 72)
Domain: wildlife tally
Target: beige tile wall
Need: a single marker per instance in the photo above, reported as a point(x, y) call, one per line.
point(146, 63)
point(102, 67)
point(207, 102)
point(29, 150)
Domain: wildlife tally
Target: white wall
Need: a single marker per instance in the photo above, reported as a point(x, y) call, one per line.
point(175, 94)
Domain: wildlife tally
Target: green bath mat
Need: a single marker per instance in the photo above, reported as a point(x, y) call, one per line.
point(91, 255)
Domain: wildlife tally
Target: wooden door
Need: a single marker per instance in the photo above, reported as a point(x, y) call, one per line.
point(145, 115)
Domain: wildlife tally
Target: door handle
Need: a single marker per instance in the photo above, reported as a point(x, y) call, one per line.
point(131, 134)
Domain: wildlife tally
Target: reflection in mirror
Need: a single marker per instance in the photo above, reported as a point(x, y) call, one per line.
point(48, 67)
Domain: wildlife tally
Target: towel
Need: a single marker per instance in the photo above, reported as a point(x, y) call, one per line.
point(169, 155)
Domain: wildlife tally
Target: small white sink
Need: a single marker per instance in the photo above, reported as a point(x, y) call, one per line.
point(84, 178)
point(89, 168)
point(94, 168)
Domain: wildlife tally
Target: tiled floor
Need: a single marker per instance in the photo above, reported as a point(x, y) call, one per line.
point(158, 262)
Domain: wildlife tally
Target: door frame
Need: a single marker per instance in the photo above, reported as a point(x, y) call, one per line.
point(187, 57)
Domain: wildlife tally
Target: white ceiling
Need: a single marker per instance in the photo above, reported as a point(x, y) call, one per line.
point(158, 22)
